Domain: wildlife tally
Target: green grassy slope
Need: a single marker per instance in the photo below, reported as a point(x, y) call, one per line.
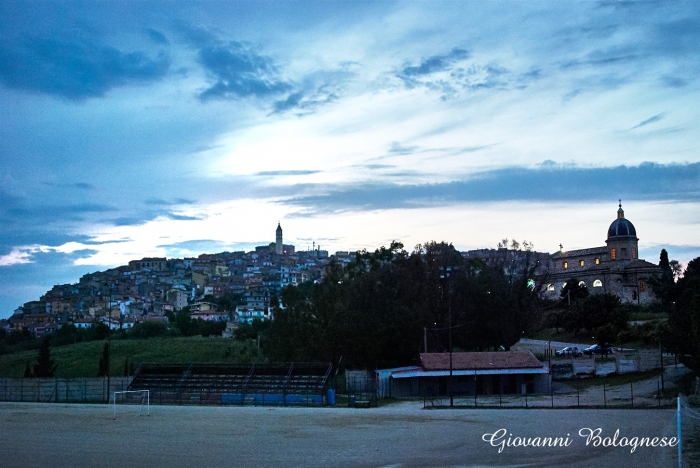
point(82, 359)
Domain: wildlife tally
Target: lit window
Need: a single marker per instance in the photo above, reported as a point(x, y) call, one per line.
point(597, 284)
point(613, 254)
point(582, 284)
point(634, 253)
point(550, 287)
point(581, 263)
point(642, 286)
point(597, 261)
point(566, 264)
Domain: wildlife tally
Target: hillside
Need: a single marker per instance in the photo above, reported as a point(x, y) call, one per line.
point(82, 359)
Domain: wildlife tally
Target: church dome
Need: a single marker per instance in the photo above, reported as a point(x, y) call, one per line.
point(621, 227)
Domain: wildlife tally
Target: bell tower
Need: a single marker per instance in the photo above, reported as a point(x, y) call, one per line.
point(279, 247)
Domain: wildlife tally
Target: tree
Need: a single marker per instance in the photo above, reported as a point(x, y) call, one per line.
point(45, 366)
point(663, 285)
point(103, 369)
point(683, 336)
point(600, 314)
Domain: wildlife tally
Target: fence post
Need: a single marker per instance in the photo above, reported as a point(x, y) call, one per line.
point(605, 399)
point(578, 395)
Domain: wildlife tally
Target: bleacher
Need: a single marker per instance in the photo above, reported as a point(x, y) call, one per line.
point(264, 384)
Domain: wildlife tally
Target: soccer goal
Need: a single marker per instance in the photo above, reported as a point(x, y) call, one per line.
point(132, 398)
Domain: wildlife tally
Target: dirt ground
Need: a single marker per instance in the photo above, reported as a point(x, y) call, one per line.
point(400, 435)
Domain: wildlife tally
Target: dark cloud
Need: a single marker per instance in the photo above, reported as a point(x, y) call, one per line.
point(548, 182)
point(74, 68)
point(76, 185)
point(397, 148)
point(142, 217)
point(650, 120)
point(292, 101)
point(239, 72)
point(178, 217)
point(156, 36)
point(435, 63)
point(43, 211)
point(674, 81)
point(162, 202)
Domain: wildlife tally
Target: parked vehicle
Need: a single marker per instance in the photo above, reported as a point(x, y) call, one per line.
point(597, 349)
point(569, 351)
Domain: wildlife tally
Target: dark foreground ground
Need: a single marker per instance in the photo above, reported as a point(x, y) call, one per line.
point(401, 435)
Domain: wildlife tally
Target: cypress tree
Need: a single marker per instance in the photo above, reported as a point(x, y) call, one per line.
point(104, 362)
point(45, 366)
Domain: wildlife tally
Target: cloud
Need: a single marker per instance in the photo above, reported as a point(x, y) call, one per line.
point(162, 202)
point(239, 72)
point(547, 182)
point(650, 120)
point(286, 173)
point(434, 64)
point(156, 36)
point(73, 68)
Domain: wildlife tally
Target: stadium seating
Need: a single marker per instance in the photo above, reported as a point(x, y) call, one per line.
point(266, 384)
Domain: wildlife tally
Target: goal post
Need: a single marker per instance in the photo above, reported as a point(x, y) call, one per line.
point(138, 398)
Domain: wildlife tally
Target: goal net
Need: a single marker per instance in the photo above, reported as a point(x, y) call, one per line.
point(688, 418)
point(132, 402)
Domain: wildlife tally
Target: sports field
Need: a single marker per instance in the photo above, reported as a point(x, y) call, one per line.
point(401, 435)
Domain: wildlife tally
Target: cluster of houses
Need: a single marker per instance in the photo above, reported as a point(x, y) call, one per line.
point(147, 289)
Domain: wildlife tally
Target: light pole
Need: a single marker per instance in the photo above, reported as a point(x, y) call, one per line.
point(446, 274)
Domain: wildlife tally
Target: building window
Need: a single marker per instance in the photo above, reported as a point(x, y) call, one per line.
point(597, 284)
point(581, 263)
point(582, 284)
point(550, 287)
point(566, 264)
point(613, 254)
point(634, 253)
point(642, 286)
point(623, 253)
point(634, 295)
point(597, 261)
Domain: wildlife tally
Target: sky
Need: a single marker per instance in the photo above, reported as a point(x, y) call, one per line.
point(173, 128)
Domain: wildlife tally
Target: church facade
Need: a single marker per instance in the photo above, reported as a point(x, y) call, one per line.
point(613, 268)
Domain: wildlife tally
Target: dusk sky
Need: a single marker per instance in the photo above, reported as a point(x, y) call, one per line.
point(150, 128)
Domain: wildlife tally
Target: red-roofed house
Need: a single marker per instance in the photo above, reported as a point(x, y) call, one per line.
point(486, 373)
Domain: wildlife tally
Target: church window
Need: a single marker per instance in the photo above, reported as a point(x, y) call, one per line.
point(597, 261)
point(597, 284)
point(634, 253)
point(581, 263)
point(566, 265)
point(642, 286)
point(613, 254)
point(582, 284)
point(550, 287)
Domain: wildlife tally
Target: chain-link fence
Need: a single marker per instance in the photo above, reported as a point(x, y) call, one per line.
point(55, 390)
point(632, 395)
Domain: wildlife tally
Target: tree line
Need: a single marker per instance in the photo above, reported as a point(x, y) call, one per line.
point(387, 306)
